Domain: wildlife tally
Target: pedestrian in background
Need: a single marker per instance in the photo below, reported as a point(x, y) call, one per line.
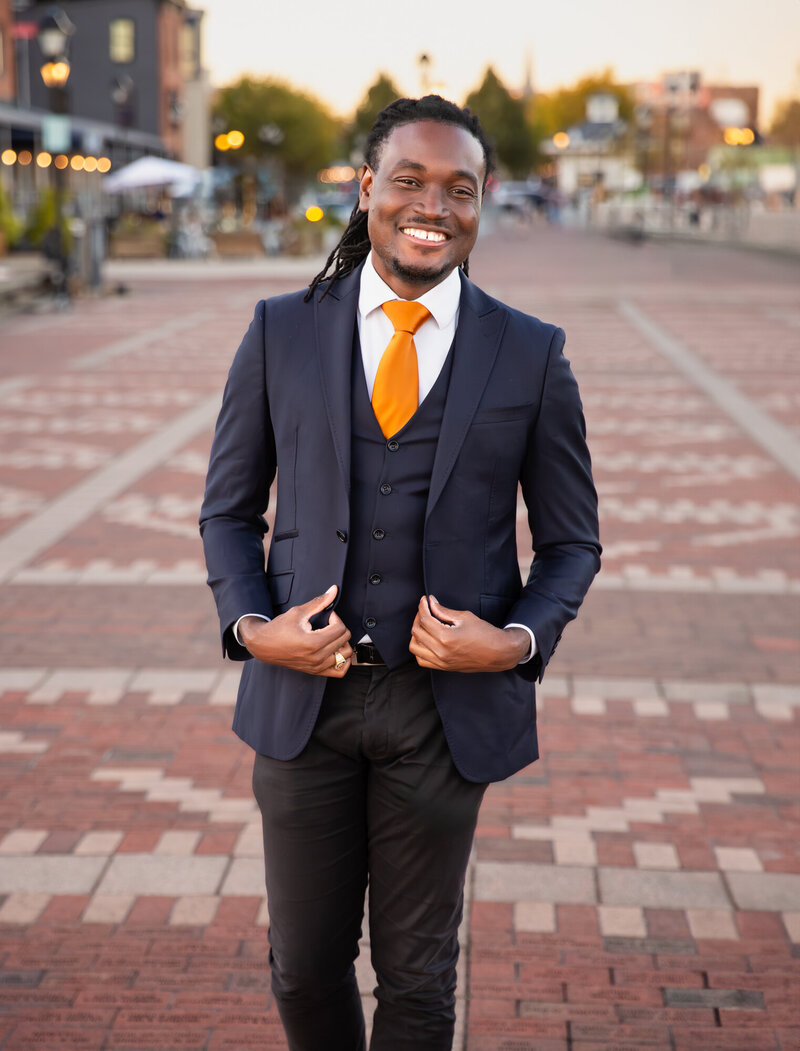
point(394, 647)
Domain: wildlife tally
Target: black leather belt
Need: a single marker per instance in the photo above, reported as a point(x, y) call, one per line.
point(367, 653)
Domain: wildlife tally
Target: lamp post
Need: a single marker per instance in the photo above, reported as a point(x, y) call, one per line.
point(55, 30)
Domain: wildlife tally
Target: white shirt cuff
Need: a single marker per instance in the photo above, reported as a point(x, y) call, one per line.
point(534, 649)
point(239, 621)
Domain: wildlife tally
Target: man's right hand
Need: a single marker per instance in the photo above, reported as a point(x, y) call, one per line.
point(290, 641)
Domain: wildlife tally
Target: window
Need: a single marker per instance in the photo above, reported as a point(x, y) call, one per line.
point(122, 40)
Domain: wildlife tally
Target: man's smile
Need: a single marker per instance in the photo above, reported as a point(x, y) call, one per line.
point(416, 233)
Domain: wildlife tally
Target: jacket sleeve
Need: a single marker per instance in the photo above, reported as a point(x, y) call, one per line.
point(561, 501)
point(240, 473)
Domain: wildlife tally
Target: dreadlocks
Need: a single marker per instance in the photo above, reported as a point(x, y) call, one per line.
point(354, 244)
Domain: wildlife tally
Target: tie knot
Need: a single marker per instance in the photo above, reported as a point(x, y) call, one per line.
point(406, 315)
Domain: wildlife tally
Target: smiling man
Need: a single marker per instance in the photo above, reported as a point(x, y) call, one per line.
point(392, 648)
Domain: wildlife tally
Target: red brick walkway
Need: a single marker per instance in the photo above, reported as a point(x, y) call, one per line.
point(638, 887)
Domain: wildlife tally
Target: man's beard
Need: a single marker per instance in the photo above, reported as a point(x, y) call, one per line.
point(420, 275)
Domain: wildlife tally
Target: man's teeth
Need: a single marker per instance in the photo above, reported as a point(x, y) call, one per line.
point(424, 235)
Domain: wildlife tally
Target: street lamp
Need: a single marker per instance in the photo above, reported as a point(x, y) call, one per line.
point(55, 30)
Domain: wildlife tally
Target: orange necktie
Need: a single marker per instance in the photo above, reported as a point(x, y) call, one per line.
point(395, 395)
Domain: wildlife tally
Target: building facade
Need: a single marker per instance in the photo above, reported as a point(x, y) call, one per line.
point(136, 81)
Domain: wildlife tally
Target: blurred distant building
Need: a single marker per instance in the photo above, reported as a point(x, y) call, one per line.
point(592, 153)
point(679, 119)
point(8, 73)
point(136, 85)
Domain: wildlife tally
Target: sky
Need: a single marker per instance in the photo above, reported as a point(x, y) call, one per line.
point(335, 50)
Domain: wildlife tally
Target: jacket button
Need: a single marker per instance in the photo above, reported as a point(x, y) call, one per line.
point(376, 578)
point(370, 622)
point(342, 536)
point(386, 489)
point(393, 446)
point(378, 534)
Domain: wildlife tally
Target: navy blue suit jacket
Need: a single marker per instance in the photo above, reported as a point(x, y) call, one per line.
point(513, 417)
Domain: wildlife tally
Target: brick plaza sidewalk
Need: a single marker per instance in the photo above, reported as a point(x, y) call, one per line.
point(638, 887)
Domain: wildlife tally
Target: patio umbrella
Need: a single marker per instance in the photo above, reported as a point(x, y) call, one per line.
point(151, 171)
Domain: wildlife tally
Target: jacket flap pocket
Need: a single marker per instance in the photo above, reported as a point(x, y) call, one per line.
point(280, 587)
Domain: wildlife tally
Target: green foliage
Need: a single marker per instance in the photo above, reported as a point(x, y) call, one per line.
point(11, 226)
point(307, 130)
point(503, 120)
point(377, 97)
point(785, 130)
point(566, 107)
point(42, 218)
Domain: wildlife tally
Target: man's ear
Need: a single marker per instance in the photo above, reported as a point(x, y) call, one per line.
point(364, 189)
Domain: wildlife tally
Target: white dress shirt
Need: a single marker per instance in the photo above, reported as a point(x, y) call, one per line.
point(432, 339)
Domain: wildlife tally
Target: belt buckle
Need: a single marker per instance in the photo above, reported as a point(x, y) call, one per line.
point(366, 654)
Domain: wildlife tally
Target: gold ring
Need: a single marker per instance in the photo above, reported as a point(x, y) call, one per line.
point(340, 659)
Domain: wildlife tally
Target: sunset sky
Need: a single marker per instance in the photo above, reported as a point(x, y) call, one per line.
point(335, 51)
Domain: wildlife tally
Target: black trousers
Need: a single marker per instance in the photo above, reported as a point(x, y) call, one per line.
point(374, 797)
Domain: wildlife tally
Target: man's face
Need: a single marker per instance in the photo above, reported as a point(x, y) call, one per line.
point(423, 203)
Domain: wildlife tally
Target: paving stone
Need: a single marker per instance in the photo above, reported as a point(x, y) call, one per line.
point(22, 841)
point(245, 876)
point(744, 998)
point(27, 679)
point(650, 707)
point(776, 892)
point(655, 855)
point(711, 692)
point(23, 907)
point(791, 921)
point(517, 881)
point(250, 843)
point(621, 921)
point(584, 704)
point(162, 875)
point(195, 910)
point(738, 859)
point(574, 848)
point(56, 874)
point(662, 890)
point(104, 843)
point(712, 710)
point(108, 908)
point(712, 923)
point(539, 916)
point(177, 843)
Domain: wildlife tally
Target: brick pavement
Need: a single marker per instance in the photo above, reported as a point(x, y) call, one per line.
point(637, 887)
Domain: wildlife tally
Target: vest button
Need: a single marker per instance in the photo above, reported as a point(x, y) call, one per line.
point(393, 446)
point(342, 536)
point(370, 622)
point(378, 534)
point(376, 578)
point(386, 489)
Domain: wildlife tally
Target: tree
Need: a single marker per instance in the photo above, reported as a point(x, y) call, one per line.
point(378, 96)
point(279, 121)
point(566, 107)
point(785, 130)
point(503, 119)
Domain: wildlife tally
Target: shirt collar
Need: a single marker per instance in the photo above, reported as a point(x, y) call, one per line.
point(442, 300)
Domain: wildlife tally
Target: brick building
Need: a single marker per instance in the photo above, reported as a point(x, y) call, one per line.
point(136, 83)
point(679, 119)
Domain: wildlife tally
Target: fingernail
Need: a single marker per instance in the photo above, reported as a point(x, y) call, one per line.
point(435, 599)
point(331, 589)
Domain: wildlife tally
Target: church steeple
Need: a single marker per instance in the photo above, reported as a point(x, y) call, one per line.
point(527, 86)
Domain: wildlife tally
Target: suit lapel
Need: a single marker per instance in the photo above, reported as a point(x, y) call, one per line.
point(477, 341)
point(335, 318)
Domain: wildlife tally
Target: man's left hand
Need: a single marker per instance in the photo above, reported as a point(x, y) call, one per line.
point(457, 640)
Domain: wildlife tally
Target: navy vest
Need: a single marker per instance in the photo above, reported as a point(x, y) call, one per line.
point(383, 577)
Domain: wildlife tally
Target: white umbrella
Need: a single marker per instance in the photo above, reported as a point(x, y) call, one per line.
point(151, 171)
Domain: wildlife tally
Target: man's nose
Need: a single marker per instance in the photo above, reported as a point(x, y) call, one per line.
point(433, 201)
